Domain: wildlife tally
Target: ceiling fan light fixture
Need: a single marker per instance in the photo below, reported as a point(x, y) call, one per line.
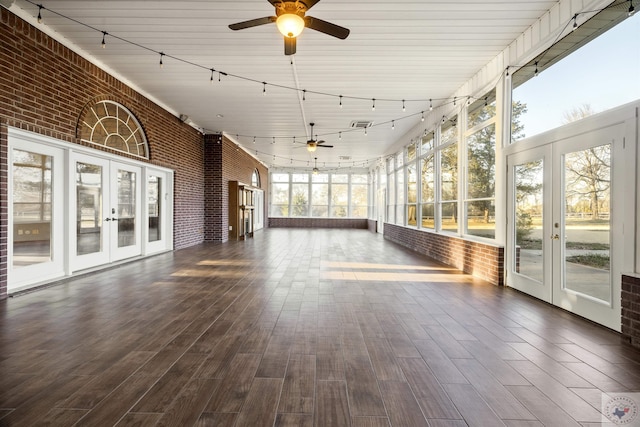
point(312, 146)
point(290, 24)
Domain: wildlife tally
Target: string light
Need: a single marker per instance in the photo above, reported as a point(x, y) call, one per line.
point(632, 9)
point(373, 106)
point(211, 80)
point(304, 94)
point(254, 139)
point(340, 101)
point(264, 88)
point(430, 105)
point(340, 136)
point(393, 125)
point(444, 119)
point(104, 44)
point(535, 73)
point(454, 100)
point(161, 63)
point(40, 7)
point(422, 117)
point(575, 21)
point(403, 107)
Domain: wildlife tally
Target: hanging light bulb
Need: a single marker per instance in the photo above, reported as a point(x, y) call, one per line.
point(422, 118)
point(444, 119)
point(393, 125)
point(211, 79)
point(632, 9)
point(161, 63)
point(340, 136)
point(340, 101)
point(315, 166)
point(304, 94)
point(430, 105)
point(254, 139)
point(40, 13)
point(104, 44)
point(535, 73)
point(373, 106)
point(264, 88)
point(403, 107)
point(454, 100)
point(575, 21)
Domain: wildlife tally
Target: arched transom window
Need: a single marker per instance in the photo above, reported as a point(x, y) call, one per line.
point(255, 178)
point(112, 125)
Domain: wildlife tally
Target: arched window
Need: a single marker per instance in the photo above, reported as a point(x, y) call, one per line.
point(109, 124)
point(255, 178)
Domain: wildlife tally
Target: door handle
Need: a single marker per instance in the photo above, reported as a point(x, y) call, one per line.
point(114, 219)
point(107, 219)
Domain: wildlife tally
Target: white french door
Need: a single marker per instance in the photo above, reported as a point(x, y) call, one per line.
point(563, 201)
point(107, 220)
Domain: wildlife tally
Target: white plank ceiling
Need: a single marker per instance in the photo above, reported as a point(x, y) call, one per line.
point(406, 49)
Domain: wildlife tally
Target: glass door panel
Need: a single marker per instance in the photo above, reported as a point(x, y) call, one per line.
point(587, 222)
point(36, 188)
point(125, 211)
point(155, 206)
point(529, 221)
point(126, 218)
point(32, 185)
point(529, 255)
point(89, 203)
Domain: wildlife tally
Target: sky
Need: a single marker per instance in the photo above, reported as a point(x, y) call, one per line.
point(605, 73)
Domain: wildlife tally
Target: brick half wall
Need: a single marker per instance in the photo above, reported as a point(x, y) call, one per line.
point(481, 260)
point(319, 223)
point(631, 309)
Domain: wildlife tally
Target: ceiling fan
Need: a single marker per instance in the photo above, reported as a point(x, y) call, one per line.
point(291, 20)
point(312, 144)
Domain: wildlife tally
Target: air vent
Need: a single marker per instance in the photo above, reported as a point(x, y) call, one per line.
point(362, 124)
point(344, 157)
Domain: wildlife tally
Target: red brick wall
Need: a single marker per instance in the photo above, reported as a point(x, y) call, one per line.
point(224, 162)
point(277, 222)
point(631, 309)
point(478, 259)
point(44, 87)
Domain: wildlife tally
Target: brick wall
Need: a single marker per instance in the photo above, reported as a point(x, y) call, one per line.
point(44, 88)
point(360, 223)
point(224, 162)
point(631, 309)
point(478, 259)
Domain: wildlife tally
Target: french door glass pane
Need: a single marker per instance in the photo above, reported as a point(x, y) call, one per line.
point(126, 208)
point(32, 184)
point(587, 226)
point(89, 208)
point(155, 207)
point(528, 219)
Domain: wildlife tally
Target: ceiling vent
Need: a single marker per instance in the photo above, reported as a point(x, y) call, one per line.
point(362, 124)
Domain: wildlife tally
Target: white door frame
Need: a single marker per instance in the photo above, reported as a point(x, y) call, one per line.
point(617, 125)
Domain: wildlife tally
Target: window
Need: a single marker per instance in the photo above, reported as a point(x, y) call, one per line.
point(449, 176)
point(320, 195)
point(412, 194)
point(427, 180)
point(575, 83)
point(400, 195)
point(481, 168)
point(339, 195)
point(300, 194)
point(280, 194)
point(359, 199)
point(255, 178)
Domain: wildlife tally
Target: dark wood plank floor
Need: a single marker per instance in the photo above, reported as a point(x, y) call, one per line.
point(300, 328)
